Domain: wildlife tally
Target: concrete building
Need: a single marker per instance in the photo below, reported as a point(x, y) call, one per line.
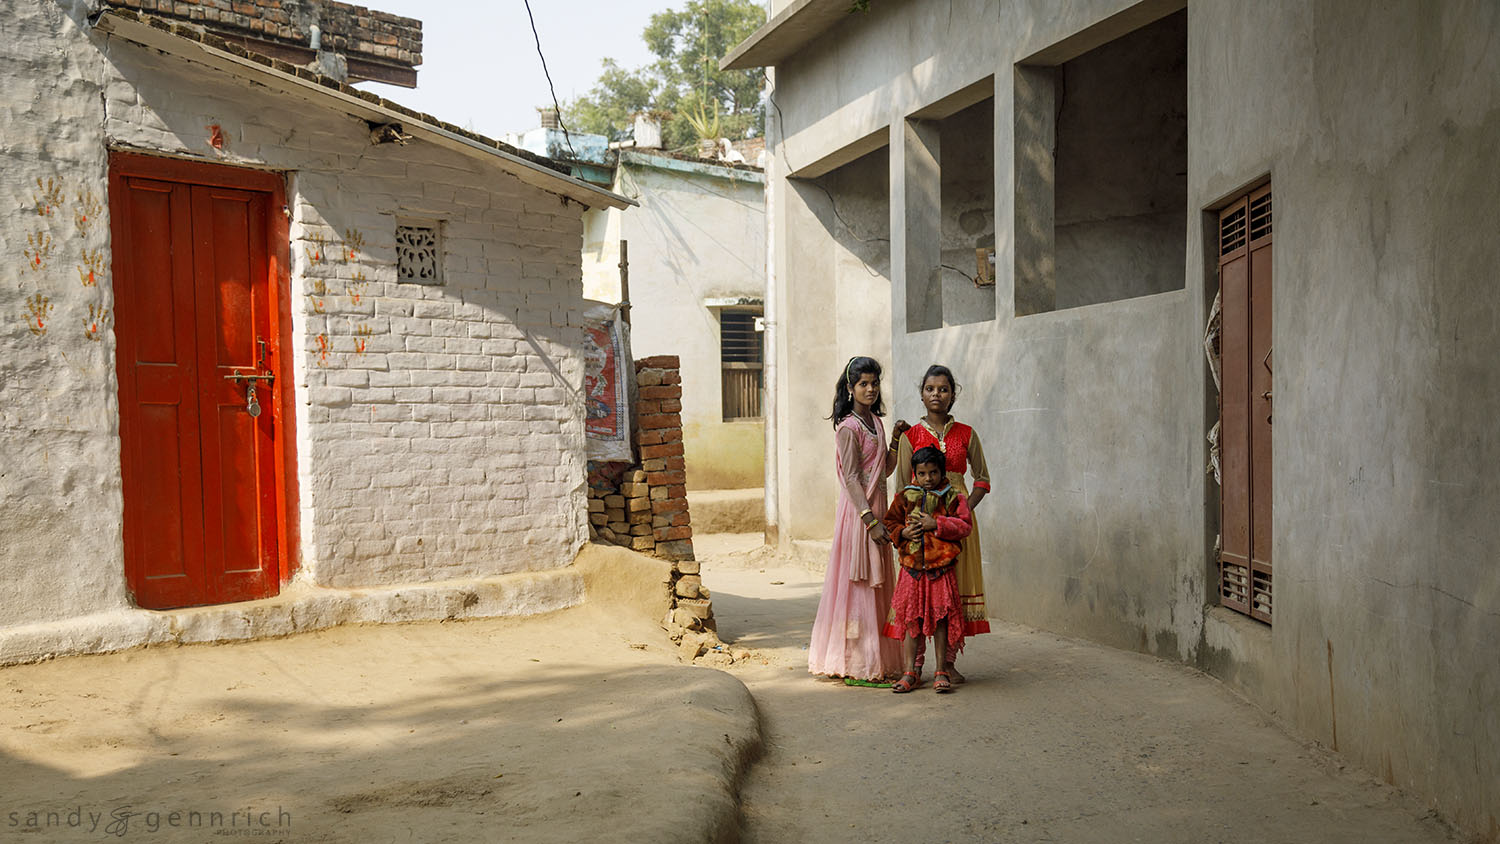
point(259, 324)
point(1118, 160)
point(696, 253)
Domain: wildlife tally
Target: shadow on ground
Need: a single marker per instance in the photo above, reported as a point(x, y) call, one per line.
point(486, 730)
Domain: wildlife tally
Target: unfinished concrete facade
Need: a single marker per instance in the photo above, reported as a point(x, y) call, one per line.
point(1119, 130)
point(426, 415)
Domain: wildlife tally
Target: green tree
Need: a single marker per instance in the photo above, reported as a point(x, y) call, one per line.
point(684, 85)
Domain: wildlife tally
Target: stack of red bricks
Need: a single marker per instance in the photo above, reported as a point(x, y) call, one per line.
point(645, 507)
point(658, 420)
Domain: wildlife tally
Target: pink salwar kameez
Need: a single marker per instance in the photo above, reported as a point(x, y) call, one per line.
point(846, 638)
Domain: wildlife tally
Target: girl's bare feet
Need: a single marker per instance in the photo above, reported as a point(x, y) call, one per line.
point(957, 678)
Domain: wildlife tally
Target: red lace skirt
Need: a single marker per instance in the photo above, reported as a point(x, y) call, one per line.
point(922, 599)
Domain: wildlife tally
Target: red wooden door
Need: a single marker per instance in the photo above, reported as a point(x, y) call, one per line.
point(196, 312)
point(1245, 404)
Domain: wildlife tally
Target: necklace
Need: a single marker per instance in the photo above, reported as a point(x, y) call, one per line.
point(866, 425)
point(941, 437)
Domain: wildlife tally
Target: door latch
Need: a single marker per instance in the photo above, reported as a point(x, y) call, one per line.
point(252, 405)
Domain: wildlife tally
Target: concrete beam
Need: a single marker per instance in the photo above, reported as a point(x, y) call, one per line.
point(786, 33)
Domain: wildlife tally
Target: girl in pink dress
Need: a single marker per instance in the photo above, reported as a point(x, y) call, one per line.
point(846, 640)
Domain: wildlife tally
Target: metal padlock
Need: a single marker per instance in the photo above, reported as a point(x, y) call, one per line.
point(252, 406)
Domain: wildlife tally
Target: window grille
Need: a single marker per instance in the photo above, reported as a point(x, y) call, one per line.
point(418, 253)
point(742, 357)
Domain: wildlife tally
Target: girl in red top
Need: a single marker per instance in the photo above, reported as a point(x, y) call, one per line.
point(960, 445)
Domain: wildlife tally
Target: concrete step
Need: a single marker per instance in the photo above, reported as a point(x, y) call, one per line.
point(300, 607)
point(727, 510)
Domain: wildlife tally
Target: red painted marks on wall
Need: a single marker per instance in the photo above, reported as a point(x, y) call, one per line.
point(361, 339)
point(97, 321)
point(316, 249)
point(48, 198)
point(38, 312)
point(323, 350)
point(354, 241)
point(216, 137)
point(356, 288)
point(91, 268)
point(38, 250)
point(87, 211)
point(317, 289)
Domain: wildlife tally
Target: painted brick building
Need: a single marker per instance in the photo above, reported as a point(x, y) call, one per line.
point(186, 219)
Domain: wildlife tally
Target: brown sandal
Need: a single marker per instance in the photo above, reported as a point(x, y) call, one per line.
point(907, 682)
point(940, 682)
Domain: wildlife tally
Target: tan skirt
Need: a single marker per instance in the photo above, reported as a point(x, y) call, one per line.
point(971, 573)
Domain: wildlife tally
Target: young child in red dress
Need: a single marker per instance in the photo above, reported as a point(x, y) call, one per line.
point(928, 521)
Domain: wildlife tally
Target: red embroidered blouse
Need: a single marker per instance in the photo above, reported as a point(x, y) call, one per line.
point(957, 442)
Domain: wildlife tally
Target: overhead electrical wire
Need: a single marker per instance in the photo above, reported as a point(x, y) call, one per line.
point(548, 74)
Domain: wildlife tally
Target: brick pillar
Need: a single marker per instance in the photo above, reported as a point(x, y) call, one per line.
point(659, 438)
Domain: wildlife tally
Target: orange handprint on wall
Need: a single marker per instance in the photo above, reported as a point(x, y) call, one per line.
point(38, 250)
point(91, 268)
point(38, 310)
point(50, 197)
point(361, 338)
point(354, 241)
point(93, 326)
point(88, 211)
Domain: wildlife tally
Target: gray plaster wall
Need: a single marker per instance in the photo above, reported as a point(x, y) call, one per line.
point(835, 293)
point(1377, 128)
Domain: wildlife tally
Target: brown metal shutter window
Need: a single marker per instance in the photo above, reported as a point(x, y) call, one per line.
point(1245, 404)
point(742, 360)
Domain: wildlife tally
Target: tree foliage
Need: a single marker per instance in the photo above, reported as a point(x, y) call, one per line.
point(684, 86)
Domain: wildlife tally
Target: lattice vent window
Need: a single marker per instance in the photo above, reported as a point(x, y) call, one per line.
point(419, 253)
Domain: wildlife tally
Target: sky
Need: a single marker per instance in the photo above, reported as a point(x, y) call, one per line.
point(479, 63)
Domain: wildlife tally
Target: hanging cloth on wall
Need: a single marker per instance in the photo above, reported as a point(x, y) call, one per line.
point(1211, 337)
point(607, 373)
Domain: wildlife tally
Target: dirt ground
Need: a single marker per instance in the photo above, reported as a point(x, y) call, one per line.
point(582, 726)
point(1052, 739)
point(553, 729)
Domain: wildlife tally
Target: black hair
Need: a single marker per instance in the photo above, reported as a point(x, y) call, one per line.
point(929, 454)
point(843, 399)
point(937, 370)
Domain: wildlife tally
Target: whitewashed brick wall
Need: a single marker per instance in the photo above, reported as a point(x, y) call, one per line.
point(439, 429)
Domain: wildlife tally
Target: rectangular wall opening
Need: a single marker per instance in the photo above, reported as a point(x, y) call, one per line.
point(968, 212)
point(853, 202)
point(949, 172)
point(1101, 172)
